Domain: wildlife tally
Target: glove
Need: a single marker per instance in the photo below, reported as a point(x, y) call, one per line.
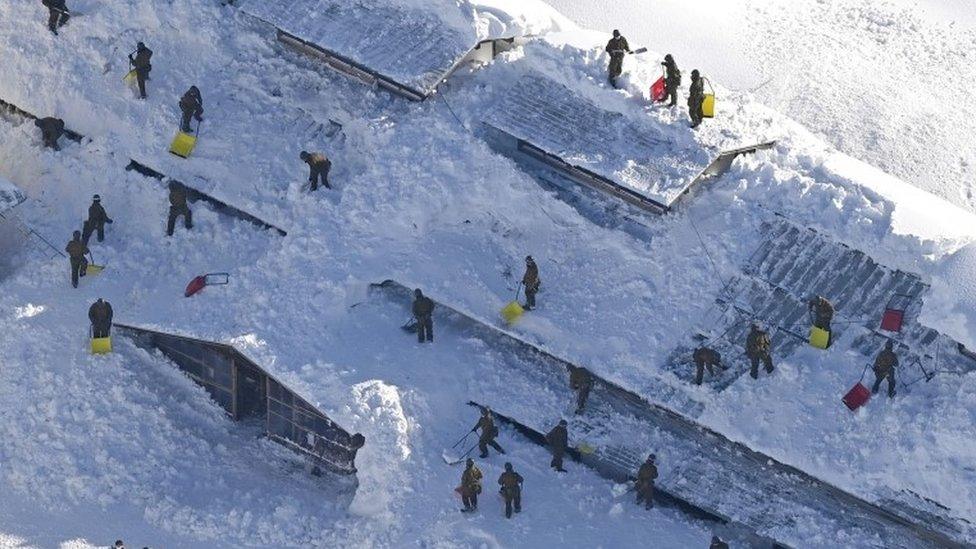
point(109, 221)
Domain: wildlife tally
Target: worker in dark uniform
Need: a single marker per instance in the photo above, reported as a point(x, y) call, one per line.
point(758, 349)
point(705, 357)
point(617, 47)
point(672, 79)
point(423, 311)
point(470, 486)
point(97, 218)
point(318, 169)
point(558, 439)
point(511, 490)
point(58, 14)
point(140, 62)
point(822, 312)
point(531, 282)
point(696, 97)
point(644, 485)
point(488, 433)
point(580, 381)
point(178, 207)
point(717, 543)
point(884, 368)
point(100, 316)
point(51, 130)
point(76, 255)
point(192, 106)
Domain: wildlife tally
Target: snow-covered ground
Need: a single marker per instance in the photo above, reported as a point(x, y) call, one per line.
point(885, 82)
point(420, 199)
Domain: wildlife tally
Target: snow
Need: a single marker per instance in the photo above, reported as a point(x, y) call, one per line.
point(10, 195)
point(97, 448)
point(951, 305)
point(882, 81)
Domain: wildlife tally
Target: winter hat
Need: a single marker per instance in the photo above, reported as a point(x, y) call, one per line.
point(96, 198)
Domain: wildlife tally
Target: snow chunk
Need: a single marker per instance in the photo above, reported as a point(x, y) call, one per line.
point(951, 305)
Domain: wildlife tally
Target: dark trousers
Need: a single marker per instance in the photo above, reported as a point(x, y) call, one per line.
point(582, 393)
point(646, 494)
point(700, 371)
point(185, 122)
point(141, 77)
point(616, 66)
point(513, 498)
point(671, 90)
point(51, 140)
point(55, 19)
point(484, 443)
point(425, 329)
point(175, 212)
point(891, 382)
point(822, 322)
point(695, 111)
point(470, 501)
point(89, 228)
point(530, 297)
point(101, 330)
point(766, 360)
point(557, 460)
point(316, 175)
point(78, 267)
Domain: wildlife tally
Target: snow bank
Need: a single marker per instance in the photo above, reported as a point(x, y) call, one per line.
point(951, 303)
point(10, 195)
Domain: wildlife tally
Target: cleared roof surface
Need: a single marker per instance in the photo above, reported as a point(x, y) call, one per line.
point(410, 45)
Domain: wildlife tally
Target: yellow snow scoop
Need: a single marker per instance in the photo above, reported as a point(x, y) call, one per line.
point(585, 448)
point(819, 337)
point(93, 268)
point(129, 77)
point(708, 105)
point(101, 345)
point(512, 312)
point(183, 144)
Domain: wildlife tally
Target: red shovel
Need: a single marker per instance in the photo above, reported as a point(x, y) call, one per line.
point(210, 279)
point(858, 395)
point(657, 90)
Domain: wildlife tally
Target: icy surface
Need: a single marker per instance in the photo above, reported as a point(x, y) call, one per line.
point(10, 195)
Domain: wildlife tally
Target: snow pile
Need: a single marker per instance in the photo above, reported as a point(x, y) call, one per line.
point(10, 195)
point(951, 304)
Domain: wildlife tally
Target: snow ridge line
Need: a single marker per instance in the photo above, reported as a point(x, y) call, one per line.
point(394, 289)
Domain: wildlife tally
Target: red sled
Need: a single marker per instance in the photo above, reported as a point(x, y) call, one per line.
point(200, 282)
point(657, 90)
point(894, 315)
point(857, 396)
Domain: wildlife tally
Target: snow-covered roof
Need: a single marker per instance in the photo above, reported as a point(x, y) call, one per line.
point(624, 149)
point(10, 195)
point(409, 44)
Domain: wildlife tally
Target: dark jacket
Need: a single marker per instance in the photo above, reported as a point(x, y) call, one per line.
point(757, 344)
point(531, 277)
point(579, 378)
point(100, 313)
point(471, 481)
point(822, 309)
point(706, 355)
point(672, 76)
point(97, 215)
point(885, 362)
point(192, 102)
point(558, 438)
point(423, 307)
point(76, 249)
point(51, 127)
point(319, 162)
point(141, 60)
point(487, 426)
point(511, 483)
point(646, 475)
point(55, 4)
point(718, 545)
point(617, 46)
point(696, 92)
point(177, 197)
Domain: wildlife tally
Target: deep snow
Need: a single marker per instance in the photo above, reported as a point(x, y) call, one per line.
point(421, 199)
